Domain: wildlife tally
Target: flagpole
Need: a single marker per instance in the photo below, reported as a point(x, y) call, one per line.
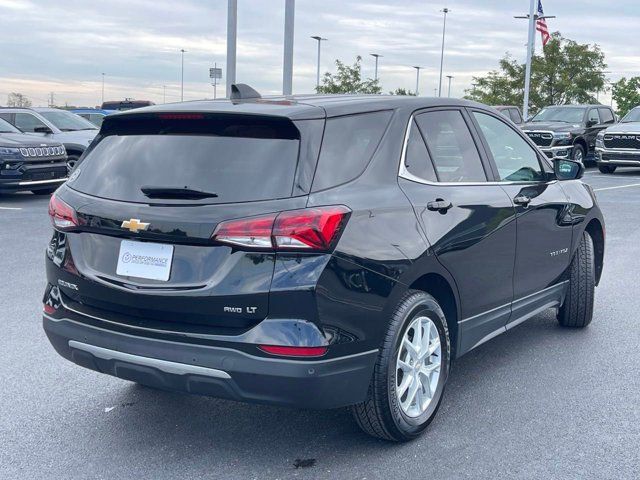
point(530, 47)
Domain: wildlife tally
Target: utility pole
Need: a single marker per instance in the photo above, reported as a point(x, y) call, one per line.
point(319, 39)
point(533, 17)
point(232, 31)
point(287, 65)
point(182, 77)
point(444, 28)
point(164, 94)
point(376, 56)
point(51, 102)
point(102, 87)
point(450, 77)
point(417, 80)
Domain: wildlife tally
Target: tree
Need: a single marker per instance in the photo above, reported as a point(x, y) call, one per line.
point(626, 94)
point(348, 79)
point(403, 91)
point(566, 72)
point(16, 99)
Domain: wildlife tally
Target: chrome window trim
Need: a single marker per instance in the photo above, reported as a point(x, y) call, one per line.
point(407, 175)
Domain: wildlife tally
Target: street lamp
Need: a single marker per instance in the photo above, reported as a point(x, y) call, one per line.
point(444, 28)
point(103, 87)
point(376, 56)
point(320, 40)
point(450, 77)
point(417, 79)
point(533, 17)
point(182, 50)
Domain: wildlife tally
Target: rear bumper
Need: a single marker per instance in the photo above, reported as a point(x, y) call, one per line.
point(214, 371)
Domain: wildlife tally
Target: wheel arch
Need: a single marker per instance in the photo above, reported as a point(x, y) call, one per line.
point(443, 291)
point(583, 143)
point(596, 230)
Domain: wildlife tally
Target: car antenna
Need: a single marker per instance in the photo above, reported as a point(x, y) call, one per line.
point(242, 91)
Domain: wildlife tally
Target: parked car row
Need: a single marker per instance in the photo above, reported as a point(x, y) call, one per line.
point(582, 132)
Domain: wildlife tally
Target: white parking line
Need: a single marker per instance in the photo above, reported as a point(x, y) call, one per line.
point(10, 208)
point(619, 186)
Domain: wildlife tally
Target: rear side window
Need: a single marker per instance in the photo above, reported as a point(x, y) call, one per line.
point(348, 144)
point(239, 158)
point(451, 146)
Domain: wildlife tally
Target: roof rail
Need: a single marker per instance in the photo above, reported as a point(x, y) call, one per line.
point(242, 91)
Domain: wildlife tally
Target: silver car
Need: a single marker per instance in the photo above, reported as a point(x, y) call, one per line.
point(73, 131)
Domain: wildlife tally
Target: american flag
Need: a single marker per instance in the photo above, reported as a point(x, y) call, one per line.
point(541, 25)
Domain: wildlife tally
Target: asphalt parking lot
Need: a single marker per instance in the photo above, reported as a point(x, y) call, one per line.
point(537, 402)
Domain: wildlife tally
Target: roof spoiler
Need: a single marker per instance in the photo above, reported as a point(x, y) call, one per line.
point(242, 91)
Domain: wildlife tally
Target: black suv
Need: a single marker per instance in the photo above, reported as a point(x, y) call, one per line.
point(313, 251)
point(569, 131)
point(30, 163)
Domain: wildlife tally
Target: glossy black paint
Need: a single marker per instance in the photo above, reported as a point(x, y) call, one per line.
point(502, 262)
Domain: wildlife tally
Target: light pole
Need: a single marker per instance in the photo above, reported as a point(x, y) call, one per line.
point(450, 77)
point(376, 56)
point(182, 50)
point(102, 87)
point(287, 64)
point(417, 79)
point(533, 17)
point(319, 39)
point(232, 30)
point(164, 94)
point(444, 28)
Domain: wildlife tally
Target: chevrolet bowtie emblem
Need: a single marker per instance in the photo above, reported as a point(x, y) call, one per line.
point(134, 225)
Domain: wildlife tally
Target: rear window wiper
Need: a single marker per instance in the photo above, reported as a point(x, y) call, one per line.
point(175, 192)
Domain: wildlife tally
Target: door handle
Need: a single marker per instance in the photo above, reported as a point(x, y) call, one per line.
point(522, 200)
point(439, 205)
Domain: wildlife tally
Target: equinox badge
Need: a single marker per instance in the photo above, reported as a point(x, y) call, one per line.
point(134, 225)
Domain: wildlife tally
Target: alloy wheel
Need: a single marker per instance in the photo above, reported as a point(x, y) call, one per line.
point(418, 366)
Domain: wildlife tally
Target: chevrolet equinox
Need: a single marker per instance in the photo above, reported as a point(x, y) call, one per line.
point(313, 251)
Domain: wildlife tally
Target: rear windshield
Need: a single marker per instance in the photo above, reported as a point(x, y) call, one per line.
point(236, 159)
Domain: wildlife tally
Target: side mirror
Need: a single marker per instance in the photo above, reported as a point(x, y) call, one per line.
point(42, 129)
point(566, 169)
point(591, 123)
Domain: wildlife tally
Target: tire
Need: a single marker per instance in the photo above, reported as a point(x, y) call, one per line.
point(44, 191)
point(577, 309)
point(578, 153)
point(606, 168)
point(383, 413)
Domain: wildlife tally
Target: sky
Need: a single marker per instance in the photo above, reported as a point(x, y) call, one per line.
point(64, 46)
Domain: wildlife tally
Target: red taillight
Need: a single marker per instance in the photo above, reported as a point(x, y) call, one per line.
point(307, 229)
point(48, 309)
point(62, 215)
point(294, 351)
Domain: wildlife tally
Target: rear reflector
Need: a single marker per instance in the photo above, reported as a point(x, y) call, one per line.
point(310, 229)
point(48, 309)
point(63, 217)
point(294, 351)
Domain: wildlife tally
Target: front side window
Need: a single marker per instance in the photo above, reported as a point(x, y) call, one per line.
point(606, 115)
point(451, 146)
point(27, 122)
point(515, 116)
point(516, 160)
point(594, 118)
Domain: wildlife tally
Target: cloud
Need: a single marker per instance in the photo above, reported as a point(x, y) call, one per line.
point(64, 46)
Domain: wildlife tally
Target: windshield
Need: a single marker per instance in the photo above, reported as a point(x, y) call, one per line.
point(67, 121)
point(560, 114)
point(6, 127)
point(632, 116)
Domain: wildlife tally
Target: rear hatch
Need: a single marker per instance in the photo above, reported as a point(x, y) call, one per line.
point(149, 195)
